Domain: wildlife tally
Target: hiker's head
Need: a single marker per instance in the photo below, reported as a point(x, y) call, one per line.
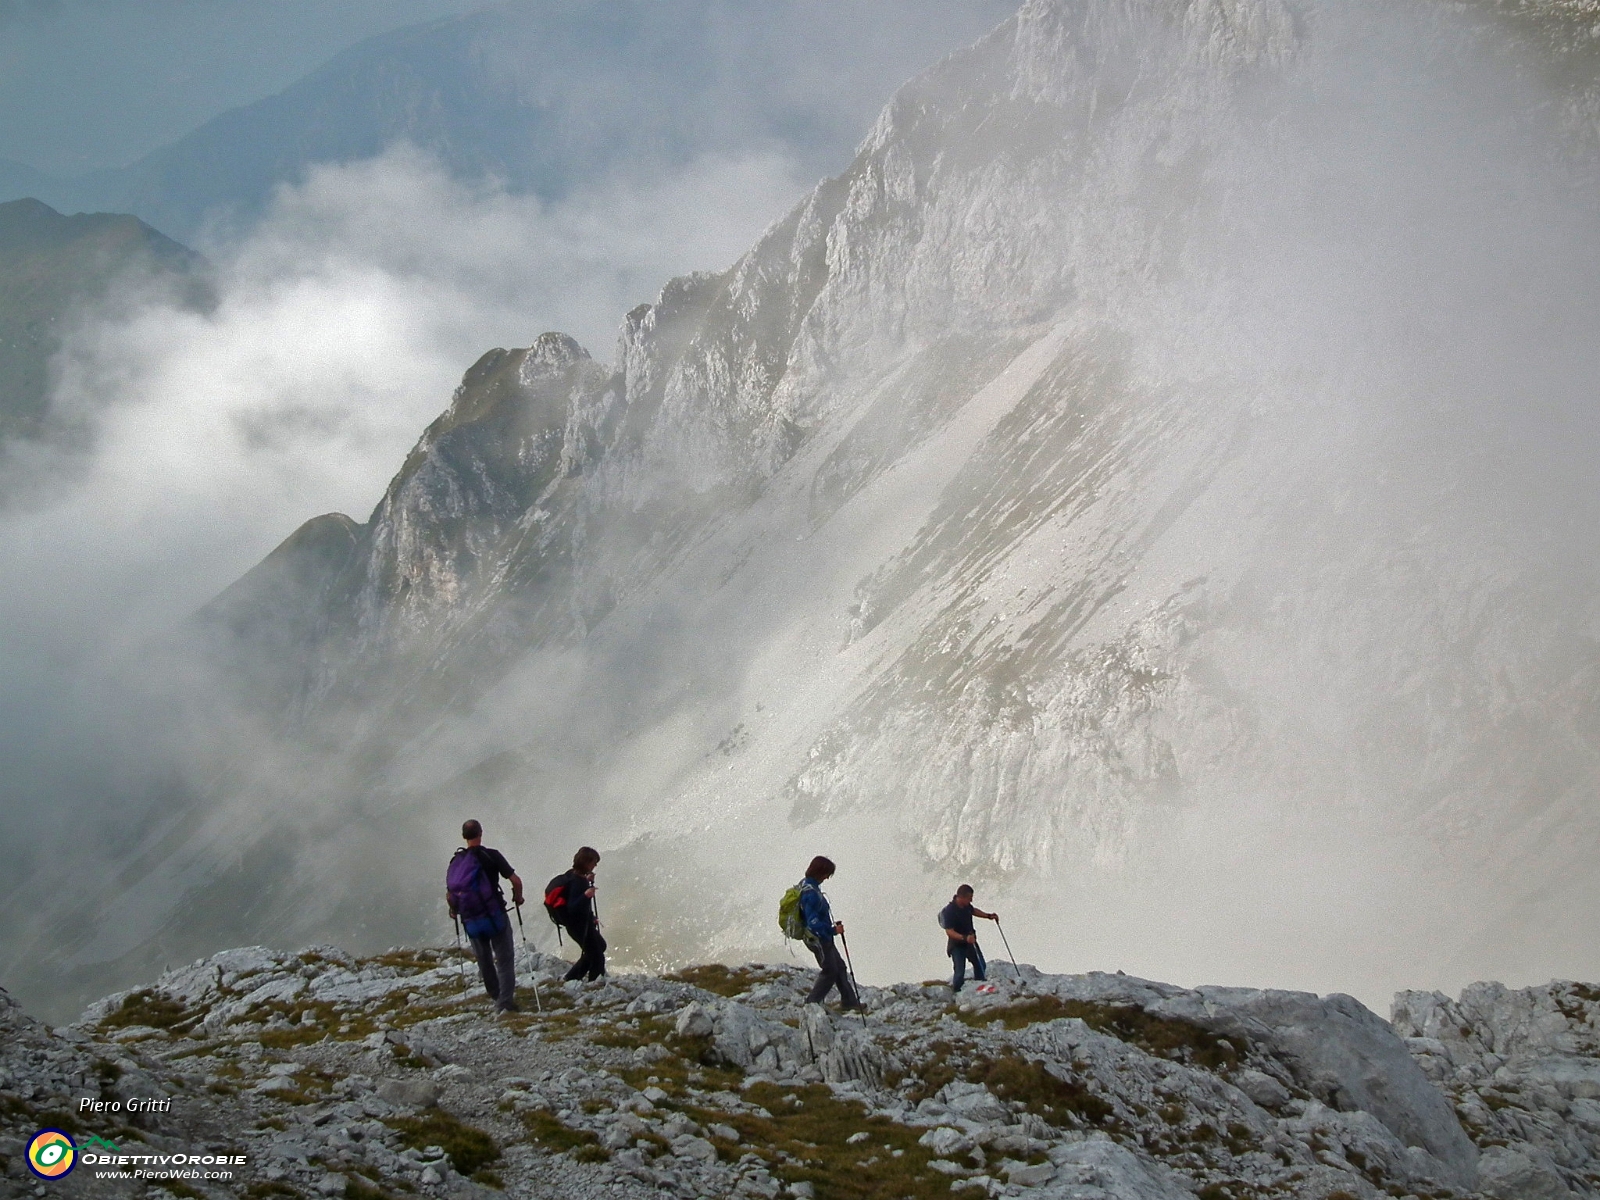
point(820, 869)
point(585, 860)
point(964, 895)
point(472, 831)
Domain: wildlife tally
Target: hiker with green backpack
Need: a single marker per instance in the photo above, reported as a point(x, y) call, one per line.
point(804, 915)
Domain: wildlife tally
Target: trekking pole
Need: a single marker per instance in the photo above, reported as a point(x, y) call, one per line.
point(854, 986)
point(526, 953)
point(460, 958)
point(1007, 942)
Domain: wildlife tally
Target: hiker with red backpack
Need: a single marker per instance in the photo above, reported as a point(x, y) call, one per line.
point(569, 899)
point(472, 890)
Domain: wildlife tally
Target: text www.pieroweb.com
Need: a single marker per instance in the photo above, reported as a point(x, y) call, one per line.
point(150, 1167)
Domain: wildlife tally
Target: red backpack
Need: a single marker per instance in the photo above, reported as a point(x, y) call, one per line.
point(555, 901)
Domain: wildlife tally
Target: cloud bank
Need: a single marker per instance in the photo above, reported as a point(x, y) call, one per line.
point(344, 322)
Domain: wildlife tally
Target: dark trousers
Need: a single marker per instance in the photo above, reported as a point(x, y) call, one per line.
point(962, 953)
point(497, 964)
point(833, 975)
point(591, 963)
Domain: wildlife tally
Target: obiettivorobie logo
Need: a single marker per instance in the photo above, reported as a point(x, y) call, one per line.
point(52, 1154)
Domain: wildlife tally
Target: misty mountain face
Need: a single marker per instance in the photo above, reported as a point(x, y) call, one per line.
point(553, 97)
point(50, 267)
point(1152, 481)
point(468, 509)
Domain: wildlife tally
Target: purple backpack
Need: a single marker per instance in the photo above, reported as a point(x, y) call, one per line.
point(473, 895)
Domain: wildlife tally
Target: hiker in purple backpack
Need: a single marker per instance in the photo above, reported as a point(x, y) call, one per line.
point(472, 890)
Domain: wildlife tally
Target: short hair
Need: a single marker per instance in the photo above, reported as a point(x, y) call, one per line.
point(820, 868)
point(965, 890)
point(585, 859)
point(471, 829)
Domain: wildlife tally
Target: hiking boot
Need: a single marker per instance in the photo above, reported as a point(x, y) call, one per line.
point(509, 1006)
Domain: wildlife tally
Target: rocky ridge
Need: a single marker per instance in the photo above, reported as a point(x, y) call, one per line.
point(387, 1077)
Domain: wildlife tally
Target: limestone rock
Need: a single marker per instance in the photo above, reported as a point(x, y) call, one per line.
point(947, 1142)
point(409, 1093)
point(1028, 1174)
point(973, 1101)
point(691, 1146)
point(693, 1021)
point(1262, 1088)
point(1523, 1069)
point(1517, 1175)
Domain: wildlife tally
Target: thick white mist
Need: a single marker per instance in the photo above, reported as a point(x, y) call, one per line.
point(344, 322)
point(1354, 288)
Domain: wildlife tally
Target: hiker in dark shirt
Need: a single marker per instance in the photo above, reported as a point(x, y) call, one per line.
point(581, 919)
point(961, 943)
point(820, 931)
point(485, 921)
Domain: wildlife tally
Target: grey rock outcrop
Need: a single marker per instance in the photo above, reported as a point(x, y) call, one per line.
point(1332, 1048)
point(1092, 1087)
point(1522, 1068)
point(1350, 1059)
point(409, 1093)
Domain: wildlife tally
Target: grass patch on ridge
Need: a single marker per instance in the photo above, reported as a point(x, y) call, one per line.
point(548, 1131)
point(149, 1008)
point(467, 1147)
point(1156, 1035)
point(804, 1140)
point(1065, 1103)
point(723, 980)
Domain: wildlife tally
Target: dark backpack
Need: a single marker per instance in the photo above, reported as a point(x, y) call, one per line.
point(473, 894)
point(555, 901)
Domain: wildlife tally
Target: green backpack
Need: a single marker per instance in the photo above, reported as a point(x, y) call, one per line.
point(790, 918)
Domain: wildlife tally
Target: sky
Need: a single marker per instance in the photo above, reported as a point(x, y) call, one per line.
point(90, 84)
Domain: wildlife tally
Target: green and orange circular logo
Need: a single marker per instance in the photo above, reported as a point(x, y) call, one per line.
point(52, 1154)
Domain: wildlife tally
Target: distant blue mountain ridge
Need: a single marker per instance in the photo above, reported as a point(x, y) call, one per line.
point(51, 266)
point(547, 97)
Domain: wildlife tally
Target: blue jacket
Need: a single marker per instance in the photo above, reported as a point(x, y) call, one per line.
point(814, 908)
